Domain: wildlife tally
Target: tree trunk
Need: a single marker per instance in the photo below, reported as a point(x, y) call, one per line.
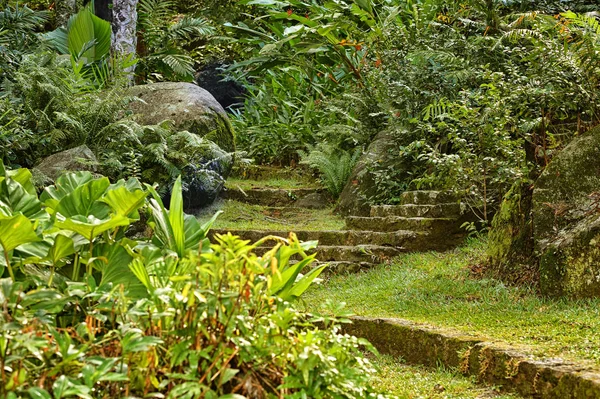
point(64, 10)
point(124, 27)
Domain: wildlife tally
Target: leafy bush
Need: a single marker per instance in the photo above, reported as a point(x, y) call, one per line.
point(334, 165)
point(165, 36)
point(89, 312)
point(477, 105)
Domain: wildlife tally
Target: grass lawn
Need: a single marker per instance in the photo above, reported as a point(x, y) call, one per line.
point(241, 216)
point(440, 289)
point(414, 382)
point(275, 182)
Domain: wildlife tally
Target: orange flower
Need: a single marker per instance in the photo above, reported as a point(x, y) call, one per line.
point(289, 12)
point(378, 63)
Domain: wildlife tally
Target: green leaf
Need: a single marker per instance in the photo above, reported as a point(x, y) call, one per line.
point(123, 201)
point(66, 184)
point(62, 247)
point(89, 36)
point(176, 217)
point(15, 231)
point(84, 200)
point(23, 177)
point(38, 393)
point(90, 227)
point(117, 269)
point(305, 282)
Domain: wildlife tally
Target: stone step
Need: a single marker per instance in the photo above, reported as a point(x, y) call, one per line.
point(333, 237)
point(397, 223)
point(448, 210)
point(275, 197)
point(358, 254)
point(427, 197)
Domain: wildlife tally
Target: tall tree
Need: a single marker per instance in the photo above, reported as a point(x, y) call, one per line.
point(124, 24)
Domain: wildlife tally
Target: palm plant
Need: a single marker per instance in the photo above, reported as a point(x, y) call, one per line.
point(164, 35)
point(18, 27)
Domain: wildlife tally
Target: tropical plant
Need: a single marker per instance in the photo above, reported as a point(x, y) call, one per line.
point(18, 36)
point(163, 315)
point(333, 164)
point(165, 35)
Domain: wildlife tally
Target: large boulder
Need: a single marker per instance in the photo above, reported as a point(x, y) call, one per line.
point(566, 218)
point(354, 199)
point(555, 231)
point(72, 160)
point(204, 177)
point(189, 106)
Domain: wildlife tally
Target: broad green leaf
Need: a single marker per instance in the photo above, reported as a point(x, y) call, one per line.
point(123, 201)
point(90, 227)
point(15, 231)
point(305, 282)
point(38, 393)
point(84, 200)
point(117, 270)
point(87, 28)
point(23, 177)
point(66, 184)
point(281, 281)
point(21, 201)
point(63, 246)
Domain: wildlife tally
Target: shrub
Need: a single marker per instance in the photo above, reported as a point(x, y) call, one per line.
point(89, 312)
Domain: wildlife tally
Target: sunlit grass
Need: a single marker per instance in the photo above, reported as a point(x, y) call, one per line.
point(241, 216)
point(440, 289)
point(414, 382)
point(281, 183)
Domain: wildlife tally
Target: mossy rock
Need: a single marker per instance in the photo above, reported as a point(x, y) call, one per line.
point(72, 160)
point(570, 264)
point(553, 233)
point(190, 107)
point(567, 221)
point(510, 241)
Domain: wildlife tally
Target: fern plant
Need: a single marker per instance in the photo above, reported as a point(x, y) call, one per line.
point(334, 165)
point(164, 36)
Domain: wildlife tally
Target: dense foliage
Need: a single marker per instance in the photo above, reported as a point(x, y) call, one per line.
point(477, 94)
point(90, 312)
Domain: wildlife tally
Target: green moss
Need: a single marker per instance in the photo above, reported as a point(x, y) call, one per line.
point(221, 132)
point(510, 249)
point(572, 269)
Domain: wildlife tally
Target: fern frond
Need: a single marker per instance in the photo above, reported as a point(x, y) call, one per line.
point(179, 64)
point(188, 27)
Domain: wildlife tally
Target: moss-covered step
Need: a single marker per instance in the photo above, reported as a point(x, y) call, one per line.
point(358, 254)
point(301, 197)
point(490, 362)
point(395, 223)
point(332, 237)
point(265, 172)
point(448, 210)
point(428, 197)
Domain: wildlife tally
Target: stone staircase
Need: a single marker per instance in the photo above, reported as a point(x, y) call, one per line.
point(424, 221)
